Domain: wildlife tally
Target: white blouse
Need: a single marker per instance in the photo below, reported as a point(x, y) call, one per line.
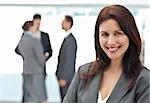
point(100, 98)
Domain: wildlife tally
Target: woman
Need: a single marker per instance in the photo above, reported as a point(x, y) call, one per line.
point(117, 75)
point(34, 88)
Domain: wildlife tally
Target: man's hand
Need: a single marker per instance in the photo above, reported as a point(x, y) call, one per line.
point(46, 55)
point(62, 82)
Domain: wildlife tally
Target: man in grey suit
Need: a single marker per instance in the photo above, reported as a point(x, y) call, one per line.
point(67, 57)
point(34, 89)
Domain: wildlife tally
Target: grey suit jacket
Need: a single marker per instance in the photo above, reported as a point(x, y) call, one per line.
point(46, 44)
point(120, 94)
point(32, 52)
point(67, 59)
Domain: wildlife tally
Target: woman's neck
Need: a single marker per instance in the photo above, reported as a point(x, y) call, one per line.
point(115, 66)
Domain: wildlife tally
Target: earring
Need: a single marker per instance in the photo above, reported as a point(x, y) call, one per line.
point(97, 59)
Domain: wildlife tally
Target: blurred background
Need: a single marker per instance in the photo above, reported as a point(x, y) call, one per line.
point(15, 12)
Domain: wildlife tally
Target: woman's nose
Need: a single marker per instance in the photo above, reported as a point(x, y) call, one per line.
point(111, 40)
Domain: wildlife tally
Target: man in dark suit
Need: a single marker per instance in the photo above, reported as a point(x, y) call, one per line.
point(44, 37)
point(67, 57)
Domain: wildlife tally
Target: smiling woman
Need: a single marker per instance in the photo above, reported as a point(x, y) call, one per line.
point(13, 15)
point(117, 75)
point(112, 39)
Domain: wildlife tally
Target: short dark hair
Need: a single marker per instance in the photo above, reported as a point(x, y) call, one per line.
point(69, 19)
point(27, 25)
point(36, 16)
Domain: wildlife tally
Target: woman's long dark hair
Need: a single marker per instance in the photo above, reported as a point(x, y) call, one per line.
point(131, 61)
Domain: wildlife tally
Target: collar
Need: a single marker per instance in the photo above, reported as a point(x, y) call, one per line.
point(67, 33)
point(114, 97)
point(28, 33)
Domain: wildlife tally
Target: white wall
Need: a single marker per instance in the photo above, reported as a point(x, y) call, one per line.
point(12, 20)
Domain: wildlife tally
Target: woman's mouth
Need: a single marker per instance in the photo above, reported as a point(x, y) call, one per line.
point(113, 49)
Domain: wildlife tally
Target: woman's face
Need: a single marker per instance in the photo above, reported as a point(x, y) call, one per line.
point(112, 39)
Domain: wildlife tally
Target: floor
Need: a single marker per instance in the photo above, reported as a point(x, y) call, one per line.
point(11, 88)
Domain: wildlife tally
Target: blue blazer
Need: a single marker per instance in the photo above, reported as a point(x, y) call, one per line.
point(77, 93)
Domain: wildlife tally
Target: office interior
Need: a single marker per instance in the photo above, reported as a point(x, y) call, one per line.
point(14, 13)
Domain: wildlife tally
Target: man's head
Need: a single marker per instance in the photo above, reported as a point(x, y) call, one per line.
point(67, 23)
point(37, 21)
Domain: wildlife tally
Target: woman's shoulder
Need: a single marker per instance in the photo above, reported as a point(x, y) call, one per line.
point(145, 72)
point(85, 68)
point(142, 83)
point(144, 75)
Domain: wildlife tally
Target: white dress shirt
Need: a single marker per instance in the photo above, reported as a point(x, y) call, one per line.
point(67, 33)
point(37, 35)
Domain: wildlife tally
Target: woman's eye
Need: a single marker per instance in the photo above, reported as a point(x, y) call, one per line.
point(105, 34)
point(118, 33)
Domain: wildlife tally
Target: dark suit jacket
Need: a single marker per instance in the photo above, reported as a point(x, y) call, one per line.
point(45, 40)
point(66, 59)
point(77, 93)
point(46, 43)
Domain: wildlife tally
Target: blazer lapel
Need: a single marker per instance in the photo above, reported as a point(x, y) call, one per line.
point(93, 89)
point(119, 90)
